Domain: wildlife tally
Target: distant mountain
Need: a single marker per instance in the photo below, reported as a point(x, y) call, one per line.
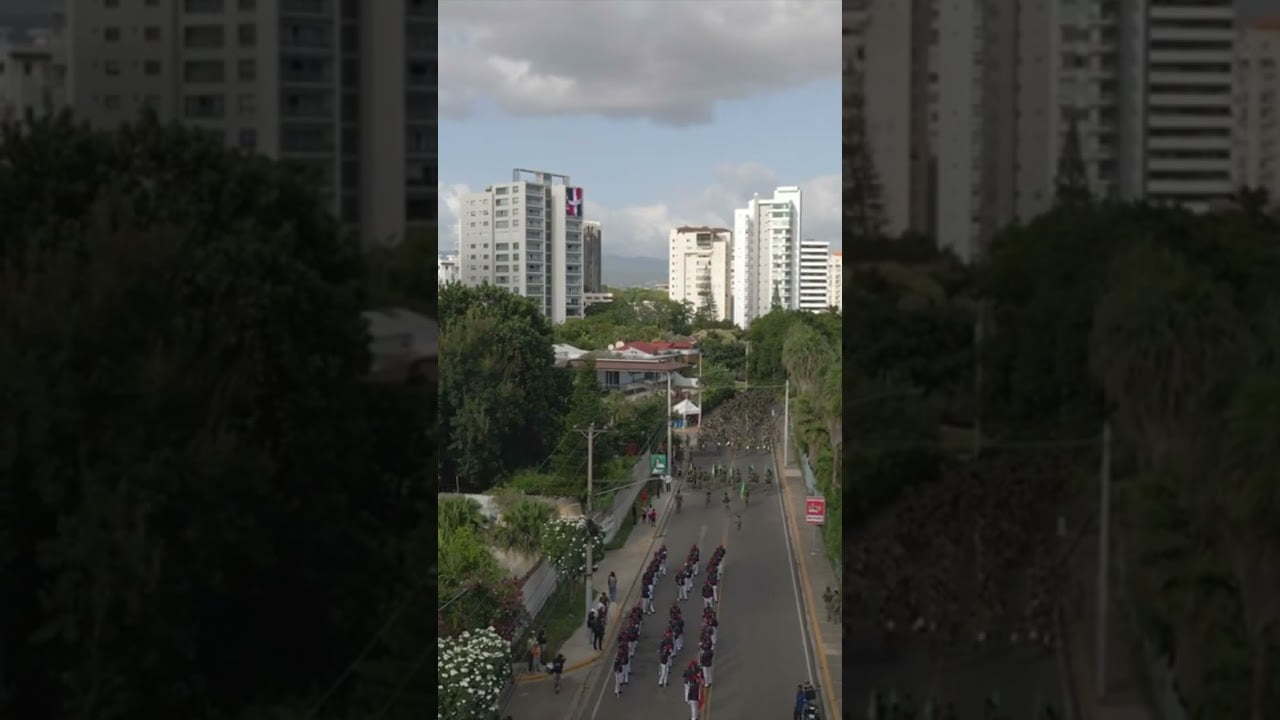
point(624, 272)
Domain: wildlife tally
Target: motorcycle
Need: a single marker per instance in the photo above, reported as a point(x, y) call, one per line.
point(810, 702)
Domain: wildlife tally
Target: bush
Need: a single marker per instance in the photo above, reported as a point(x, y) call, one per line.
point(473, 669)
point(522, 525)
point(564, 545)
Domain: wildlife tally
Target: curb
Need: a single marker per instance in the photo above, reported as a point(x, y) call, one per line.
point(833, 704)
point(541, 676)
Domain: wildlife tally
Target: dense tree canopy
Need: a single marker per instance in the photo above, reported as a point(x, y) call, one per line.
point(500, 394)
point(201, 502)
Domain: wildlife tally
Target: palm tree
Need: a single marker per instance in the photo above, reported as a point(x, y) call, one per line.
point(522, 524)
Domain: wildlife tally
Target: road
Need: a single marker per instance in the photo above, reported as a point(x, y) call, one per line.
point(761, 654)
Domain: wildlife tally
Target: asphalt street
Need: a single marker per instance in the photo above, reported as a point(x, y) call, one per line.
point(761, 654)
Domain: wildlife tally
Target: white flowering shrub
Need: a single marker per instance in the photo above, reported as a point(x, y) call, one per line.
point(473, 669)
point(564, 545)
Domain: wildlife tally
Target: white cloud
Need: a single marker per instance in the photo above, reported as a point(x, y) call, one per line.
point(669, 62)
point(642, 230)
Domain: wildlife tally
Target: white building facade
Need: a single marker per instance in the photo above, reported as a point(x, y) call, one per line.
point(345, 89)
point(766, 255)
point(32, 77)
point(526, 236)
point(815, 257)
point(835, 281)
point(698, 270)
point(1257, 111)
point(447, 269)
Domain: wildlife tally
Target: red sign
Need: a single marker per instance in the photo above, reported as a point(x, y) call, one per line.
point(815, 510)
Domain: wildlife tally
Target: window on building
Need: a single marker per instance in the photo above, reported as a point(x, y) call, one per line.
point(247, 34)
point(151, 67)
point(111, 68)
point(111, 4)
point(111, 34)
point(248, 5)
point(203, 71)
point(111, 102)
point(248, 138)
point(247, 70)
point(203, 6)
point(203, 36)
point(204, 106)
point(247, 104)
point(151, 33)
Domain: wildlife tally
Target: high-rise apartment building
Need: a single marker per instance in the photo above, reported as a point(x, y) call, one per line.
point(1177, 93)
point(1258, 107)
point(591, 265)
point(766, 255)
point(344, 88)
point(526, 236)
point(698, 269)
point(895, 41)
point(1146, 87)
point(835, 281)
point(815, 256)
point(31, 74)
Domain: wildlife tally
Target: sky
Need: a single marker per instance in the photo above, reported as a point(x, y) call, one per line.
point(665, 113)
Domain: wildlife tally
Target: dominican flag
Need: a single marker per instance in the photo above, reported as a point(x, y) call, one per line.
point(573, 202)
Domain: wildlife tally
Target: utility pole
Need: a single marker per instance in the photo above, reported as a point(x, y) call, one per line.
point(977, 379)
point(590, 433)
point(1104, 560)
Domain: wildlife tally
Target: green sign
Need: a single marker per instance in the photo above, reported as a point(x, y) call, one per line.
point(657, 464)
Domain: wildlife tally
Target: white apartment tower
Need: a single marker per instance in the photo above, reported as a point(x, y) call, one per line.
point(766, 255)
point(894, 39)
point(698, 269)
point(447, 269)
point(1258, 107)
point(815, 256)
point(835, 281)
point(346, 89)
point(526, 236)
point(31, 74)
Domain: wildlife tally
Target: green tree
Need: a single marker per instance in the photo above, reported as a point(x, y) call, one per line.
point(586, 407)
point(499, 389)
point(184, 431)
point(1072, 181)
point(461, 513)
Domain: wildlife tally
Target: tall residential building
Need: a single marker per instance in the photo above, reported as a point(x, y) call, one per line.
point(815, 256)
point(1258, 107)
point(1177, 93)
point(346, 89)
point(1146, 86)
point(591, 257)
point(526, 236)
point(835, 281)
point(766, 255)
point(32, 75)
point(698, 269)
point(895, 40)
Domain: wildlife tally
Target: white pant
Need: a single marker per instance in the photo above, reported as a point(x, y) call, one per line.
point(663, 671)
point(706, 672)
point(715, 592)
point(631, 651)
point(679, 643)
point(715, 635)
point(662, 568)
point(617, 682)
point(693, 710)
point(626, 672)
point(648, 603)
point(706, 601)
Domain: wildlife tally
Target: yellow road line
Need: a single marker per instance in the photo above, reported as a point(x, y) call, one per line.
point(814, 630)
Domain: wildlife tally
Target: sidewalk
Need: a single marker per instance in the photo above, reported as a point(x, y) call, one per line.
point(816, 575)
point(531, 698)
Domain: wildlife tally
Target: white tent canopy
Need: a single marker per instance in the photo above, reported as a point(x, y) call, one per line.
point(686, 408)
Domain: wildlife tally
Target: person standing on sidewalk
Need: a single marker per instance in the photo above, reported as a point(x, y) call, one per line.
point(827, 597)
point(535, 655)
point(542, 640)
point(613, 587)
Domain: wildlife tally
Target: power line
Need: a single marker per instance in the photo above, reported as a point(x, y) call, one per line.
point(368, 647)
point(404, 682)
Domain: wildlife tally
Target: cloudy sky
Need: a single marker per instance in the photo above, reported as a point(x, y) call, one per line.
point(666, 113)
